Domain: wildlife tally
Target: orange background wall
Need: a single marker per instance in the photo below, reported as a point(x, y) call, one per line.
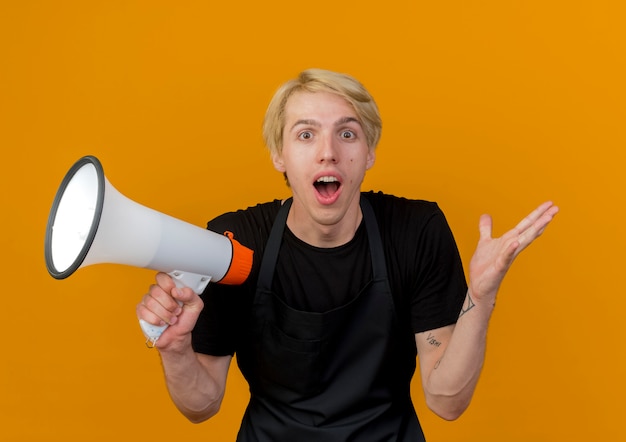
point(488, 106)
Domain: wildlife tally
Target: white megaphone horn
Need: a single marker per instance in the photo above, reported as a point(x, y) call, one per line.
point(92, 223)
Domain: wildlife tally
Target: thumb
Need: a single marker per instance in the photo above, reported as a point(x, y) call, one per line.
point(485, 225)
point(187, 297)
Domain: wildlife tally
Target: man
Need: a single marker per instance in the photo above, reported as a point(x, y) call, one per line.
point(347, 287)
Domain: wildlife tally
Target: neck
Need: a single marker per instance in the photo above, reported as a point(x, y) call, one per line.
point(324, 234)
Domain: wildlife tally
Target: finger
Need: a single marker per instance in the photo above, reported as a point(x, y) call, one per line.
point(161, 304)
point(485, 225)
point(547, 219)
point(165, 281)
point(534, 231)
point(162, 297)
point(540, 222)
point(533, 216)
point(149, 316)
point(189, 300)
point(184, 294)
point(180, 292)
point(511, 251)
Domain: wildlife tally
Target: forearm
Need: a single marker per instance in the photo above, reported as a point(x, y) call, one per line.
point(453, 377)
point(451, 371)
point(196, 388)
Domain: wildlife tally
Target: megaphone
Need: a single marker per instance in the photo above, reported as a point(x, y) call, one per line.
point(91, 223)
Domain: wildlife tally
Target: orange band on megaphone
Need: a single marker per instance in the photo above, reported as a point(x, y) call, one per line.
point(241, 263)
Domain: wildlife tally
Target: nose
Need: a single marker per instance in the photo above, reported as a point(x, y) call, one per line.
point(327, 150)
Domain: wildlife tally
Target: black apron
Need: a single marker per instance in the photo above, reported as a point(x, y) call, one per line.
point(343, 375)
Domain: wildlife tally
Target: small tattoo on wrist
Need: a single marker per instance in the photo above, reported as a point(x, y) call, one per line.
point(467, 305)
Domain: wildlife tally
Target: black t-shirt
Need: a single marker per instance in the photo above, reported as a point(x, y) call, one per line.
point(423, 264)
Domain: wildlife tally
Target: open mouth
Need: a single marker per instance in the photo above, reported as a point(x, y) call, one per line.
point(327, 186)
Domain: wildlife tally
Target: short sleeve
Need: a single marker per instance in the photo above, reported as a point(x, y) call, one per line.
point(423, 262)
point(439, 286)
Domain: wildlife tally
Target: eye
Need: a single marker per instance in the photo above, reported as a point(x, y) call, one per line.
point(347, 134)
point(306, 135)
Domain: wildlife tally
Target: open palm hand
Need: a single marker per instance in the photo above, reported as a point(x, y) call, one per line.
point(494, 256)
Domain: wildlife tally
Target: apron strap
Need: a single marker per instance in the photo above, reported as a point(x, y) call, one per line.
point(377, 253)
point(272, 247)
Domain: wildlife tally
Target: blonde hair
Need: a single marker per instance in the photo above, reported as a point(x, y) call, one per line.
point(319, 80)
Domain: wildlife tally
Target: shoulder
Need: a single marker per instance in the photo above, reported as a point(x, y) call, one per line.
point(380, 200)
point(402, 213)
point(251, 228)
point(412, 230)
point(248, 225)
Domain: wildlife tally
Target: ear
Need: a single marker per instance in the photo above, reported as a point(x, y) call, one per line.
point(371, 159)
point(279, 165)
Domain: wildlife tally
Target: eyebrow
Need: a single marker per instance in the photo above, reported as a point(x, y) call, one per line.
point(305, 123)
point(345, 120)
point(316, 123)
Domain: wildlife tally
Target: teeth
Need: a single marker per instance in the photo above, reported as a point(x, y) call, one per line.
point(327, 179)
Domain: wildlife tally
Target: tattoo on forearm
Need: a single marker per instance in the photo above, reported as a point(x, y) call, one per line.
point(467, 305)
point(437, 364)
point(432, 341)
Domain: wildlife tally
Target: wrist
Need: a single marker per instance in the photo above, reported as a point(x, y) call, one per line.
point(483, 306)
point(171, 349)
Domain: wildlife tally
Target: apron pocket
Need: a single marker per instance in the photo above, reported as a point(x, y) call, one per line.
point(294, 364)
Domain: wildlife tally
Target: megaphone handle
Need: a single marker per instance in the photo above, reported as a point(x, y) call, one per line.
point(151, 332)
point(182, 279)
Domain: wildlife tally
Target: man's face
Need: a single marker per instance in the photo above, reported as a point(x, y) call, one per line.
point(325, 156)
